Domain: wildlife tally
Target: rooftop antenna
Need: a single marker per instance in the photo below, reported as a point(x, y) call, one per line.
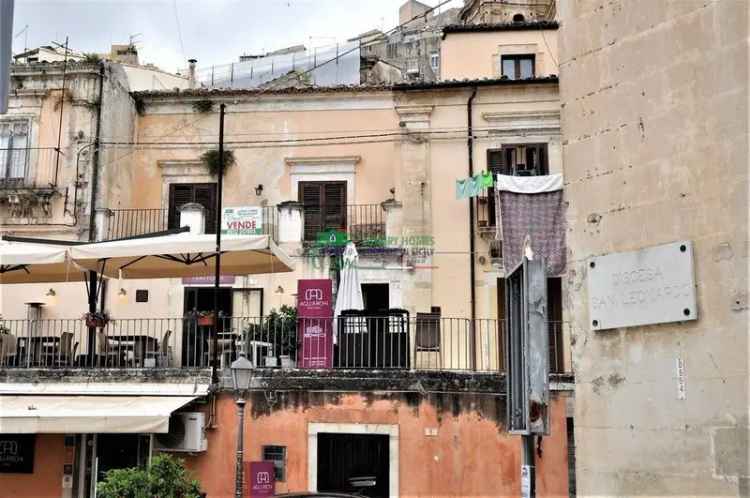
point(132, 39)
point(25, 33)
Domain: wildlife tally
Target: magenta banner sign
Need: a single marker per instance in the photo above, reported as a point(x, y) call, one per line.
point(314, 327)
point(260, 479)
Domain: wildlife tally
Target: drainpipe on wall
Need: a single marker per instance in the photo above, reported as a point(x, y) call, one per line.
point(472, 264)
point(95, 158)
point(93, 281)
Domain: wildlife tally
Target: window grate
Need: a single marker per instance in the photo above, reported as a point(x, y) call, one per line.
point(277, 455)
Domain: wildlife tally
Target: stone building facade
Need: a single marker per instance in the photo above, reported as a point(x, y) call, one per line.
point(655, 144)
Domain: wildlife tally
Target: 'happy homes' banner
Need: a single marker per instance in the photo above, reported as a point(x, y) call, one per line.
point(314, 327)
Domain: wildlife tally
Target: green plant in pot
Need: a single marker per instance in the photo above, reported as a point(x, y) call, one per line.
point(211, 159)
point(278, 328)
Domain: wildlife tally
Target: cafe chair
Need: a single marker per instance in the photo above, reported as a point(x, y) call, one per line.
point(104, 352)
point(163, 355)
point(65, 355)
point(8, 349)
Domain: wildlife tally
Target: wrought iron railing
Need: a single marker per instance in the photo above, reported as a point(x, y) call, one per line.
point(29, 168)
point(349, 342)
point(360, 221)
point(122, 223)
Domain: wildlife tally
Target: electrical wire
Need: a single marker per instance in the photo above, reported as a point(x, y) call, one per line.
point(179, 30)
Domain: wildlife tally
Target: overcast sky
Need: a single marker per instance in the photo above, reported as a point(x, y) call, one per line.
point(212, 31)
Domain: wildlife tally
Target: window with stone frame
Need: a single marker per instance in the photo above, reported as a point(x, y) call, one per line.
point(14, 152)
point(518, 67)
point(512, 160)
point(199, 193)
point(324, 206)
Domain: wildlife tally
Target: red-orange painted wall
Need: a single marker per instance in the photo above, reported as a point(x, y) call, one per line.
point(471, 456)
point(50, 455)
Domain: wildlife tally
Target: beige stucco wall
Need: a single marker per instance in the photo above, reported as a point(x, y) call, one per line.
point(35, 97)
point(655, 127)
point(421, 154)
point(475, 55)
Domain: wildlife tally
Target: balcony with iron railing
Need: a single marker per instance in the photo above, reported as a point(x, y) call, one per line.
point(358, 342)
point(359, 222)
point(30, 168)
point(123, 223)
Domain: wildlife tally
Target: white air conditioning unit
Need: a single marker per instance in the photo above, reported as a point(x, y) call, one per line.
point(186, 433)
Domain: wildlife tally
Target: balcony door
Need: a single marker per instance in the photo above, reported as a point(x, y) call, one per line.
point(325, 206)
point(199, 193)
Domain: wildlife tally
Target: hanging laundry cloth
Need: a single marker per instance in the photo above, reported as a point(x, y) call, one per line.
point(532, 206)
point(461, 189)
point(488, 179)
point(475, 186)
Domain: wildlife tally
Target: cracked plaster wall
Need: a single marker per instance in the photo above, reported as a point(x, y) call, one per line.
point(655, 140)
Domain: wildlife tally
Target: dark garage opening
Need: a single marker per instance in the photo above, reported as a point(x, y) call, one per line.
point(350, 463)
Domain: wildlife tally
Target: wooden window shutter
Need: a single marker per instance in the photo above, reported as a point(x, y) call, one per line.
point(335, 205)
point(311, 197)
point(178, 196)
point(201, 193)
point(205, 195)
point(495, 164)
point(496, 161)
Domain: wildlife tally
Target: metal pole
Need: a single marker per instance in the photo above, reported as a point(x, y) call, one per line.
point(528, 469)
point(62, 105)
point(240, 444)
point(6, 42)
point(217, 224)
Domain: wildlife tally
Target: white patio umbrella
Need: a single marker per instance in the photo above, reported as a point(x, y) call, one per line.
point(182, 255)
point(349, 296)
point(28, 263)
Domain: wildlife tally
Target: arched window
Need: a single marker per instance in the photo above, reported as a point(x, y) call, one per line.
point(518, 18)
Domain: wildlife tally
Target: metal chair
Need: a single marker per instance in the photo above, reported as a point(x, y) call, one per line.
point(103, 350)
point(65, 354)
point(8, 349)
point(163, 355)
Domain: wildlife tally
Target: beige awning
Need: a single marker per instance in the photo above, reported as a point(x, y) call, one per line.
point(26, 263)
point(88, 414)
point(182, 255)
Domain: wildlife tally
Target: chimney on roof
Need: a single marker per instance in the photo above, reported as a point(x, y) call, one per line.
point(191, 72)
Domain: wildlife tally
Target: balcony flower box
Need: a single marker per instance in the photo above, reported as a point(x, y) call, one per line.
point(96, 320)
point(206, 320)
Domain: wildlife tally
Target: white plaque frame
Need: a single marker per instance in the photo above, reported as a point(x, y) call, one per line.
point(649, 286)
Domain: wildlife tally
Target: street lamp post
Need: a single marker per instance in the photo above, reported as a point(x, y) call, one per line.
point(242, 370)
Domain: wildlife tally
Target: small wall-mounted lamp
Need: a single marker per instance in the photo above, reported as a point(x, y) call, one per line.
point(259, 190)
point(51, 297)
point(122, 295)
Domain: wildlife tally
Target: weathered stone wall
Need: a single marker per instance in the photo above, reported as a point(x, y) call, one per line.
point(655, 146)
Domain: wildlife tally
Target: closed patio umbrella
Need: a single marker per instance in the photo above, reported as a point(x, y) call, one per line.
point(28, 263)
point(182, 255)
point(349, 295)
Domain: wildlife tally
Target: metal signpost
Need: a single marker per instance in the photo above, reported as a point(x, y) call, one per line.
point(6, 43)
point(527, 361)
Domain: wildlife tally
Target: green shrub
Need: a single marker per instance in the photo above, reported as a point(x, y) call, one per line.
point(278, 328)
point(211, 159)
point(166, 477)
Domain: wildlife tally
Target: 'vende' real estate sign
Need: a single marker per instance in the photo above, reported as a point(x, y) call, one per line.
point(314, 327)
point(244, 220)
